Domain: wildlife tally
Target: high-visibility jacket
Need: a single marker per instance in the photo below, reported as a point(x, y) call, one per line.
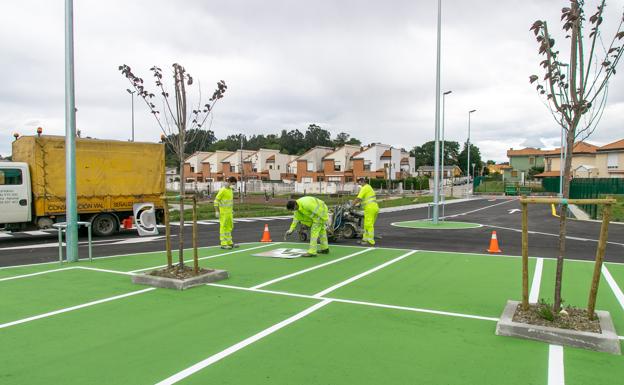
point(224, 200)
point(309, 210)
point(367, 196)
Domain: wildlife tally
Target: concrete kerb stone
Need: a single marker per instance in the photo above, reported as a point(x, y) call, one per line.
point(179, 284)
point(607, 341)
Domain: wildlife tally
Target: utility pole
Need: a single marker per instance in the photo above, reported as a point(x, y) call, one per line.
point(71, 206)
point(468, 151)
point(442, 146)
point(436, 165)
point(241, 168)
point(132, 99)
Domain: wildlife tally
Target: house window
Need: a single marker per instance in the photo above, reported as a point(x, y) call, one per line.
point(333, 179)
point(310, 166)
point(278, 166)
point(320, 179)
point(367, 167)
point(192, 169)
point(270, 167)
point(307, 179)
point(514, 174)
point(232, 168)
point(612, 160)
point(336, 167)
point(549, 165)
point(531, 160)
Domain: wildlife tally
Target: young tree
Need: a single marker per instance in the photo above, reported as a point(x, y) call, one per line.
point(575, 86)
point(179, 126)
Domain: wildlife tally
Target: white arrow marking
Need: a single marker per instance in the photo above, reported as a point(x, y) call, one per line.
point(511, 211)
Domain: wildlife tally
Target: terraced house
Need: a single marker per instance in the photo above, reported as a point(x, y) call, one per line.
point(521, 162)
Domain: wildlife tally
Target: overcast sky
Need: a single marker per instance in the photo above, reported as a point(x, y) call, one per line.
point(363, 67)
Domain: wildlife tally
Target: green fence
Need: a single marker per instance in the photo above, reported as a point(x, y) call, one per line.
point(588, 188)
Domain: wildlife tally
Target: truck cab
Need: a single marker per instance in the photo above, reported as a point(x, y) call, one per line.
point(15, 194)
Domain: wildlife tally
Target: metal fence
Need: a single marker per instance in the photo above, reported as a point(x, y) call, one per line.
point(588, 188)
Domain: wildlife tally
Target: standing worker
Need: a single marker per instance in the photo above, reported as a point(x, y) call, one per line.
point(368, 200)
point(224, 210)
point(312, 212)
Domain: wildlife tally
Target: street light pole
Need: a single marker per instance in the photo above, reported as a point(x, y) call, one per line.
point(132, 98)
point(442, 146)
point(468, 150)
point(436, 166)
point(71, 205)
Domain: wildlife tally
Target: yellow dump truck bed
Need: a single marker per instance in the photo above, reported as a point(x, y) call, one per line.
point(110, 175)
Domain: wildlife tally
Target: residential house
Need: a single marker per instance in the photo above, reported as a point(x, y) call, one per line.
point(309, 166)
point(193, 166)
point(378, 161)
point(267, 164)
point(521, 161)
point(449, 171)
point(610, 160)
point(583, 162)
point(235, 165)
point(338, 166)
point(212, 168)
point(171, 174)
point(497, 168)
point(408, 164)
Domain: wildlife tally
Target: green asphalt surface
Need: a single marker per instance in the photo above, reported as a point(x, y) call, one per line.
point(442, 225)
point(148, 337)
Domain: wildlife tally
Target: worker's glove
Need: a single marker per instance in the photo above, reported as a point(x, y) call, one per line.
point(217, 215)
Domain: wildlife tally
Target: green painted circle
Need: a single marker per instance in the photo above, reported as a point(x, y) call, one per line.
point(442, 225)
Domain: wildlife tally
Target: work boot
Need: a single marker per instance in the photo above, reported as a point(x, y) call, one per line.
point(309, 255)
point(234, 245)
point(226, 247)
point(324, 251)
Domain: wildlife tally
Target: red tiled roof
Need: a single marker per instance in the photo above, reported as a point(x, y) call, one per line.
point(618, 145)
point(524, 152)
point(405, 160)
point(579, 148)
point(271, 158)
point(386, 154)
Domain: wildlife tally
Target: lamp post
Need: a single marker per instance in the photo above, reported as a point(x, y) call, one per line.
point(468, 149)
point(132, 98)
point(442, 145)
point(71, 211)
point(436, 166)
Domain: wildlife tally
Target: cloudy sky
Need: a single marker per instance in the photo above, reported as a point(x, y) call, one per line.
point(363, 67)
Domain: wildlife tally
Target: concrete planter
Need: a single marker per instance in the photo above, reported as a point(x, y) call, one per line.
point(607, 341)
point(179, 284)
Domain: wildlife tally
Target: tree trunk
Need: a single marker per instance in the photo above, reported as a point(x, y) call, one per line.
point(563, 214)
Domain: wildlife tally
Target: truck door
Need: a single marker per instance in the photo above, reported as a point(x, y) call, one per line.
point(15, 193)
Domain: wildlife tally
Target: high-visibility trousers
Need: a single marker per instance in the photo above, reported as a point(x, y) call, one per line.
point(226, 225)
point(370, 217)
point(318, 233)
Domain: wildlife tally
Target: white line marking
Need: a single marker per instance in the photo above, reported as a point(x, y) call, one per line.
point(363, 303)
point(210, 256)
point(103, 270)
point(614, 286)
point(537, 279)
point(486, 207)
point(234, 348)
point(39, 273)
point(364, 274)
point(310, 269)
point(555, 365)
point(68, 309)
point(38, 232)
point(243, 220)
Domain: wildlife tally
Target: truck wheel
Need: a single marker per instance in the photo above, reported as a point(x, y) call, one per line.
point(104, 225)
point(348, 232)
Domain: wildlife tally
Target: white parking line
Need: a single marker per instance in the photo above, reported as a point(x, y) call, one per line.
point(310, 269)
point(555, 365)
point(35, 274)
point(364, 274)
point(68, 309)
point(210, 256)
point(234, 348)
point(553, 235)
point(537, 279)
point(614, 286)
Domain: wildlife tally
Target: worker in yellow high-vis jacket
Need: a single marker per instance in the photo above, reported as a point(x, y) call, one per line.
point(368, 200)
point(312, 212)
point(224, 210)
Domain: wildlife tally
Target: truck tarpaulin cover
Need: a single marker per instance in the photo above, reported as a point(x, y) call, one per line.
point(111, 175)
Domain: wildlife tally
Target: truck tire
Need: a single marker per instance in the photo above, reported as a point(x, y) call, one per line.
point(104, 225)
point(349, 231)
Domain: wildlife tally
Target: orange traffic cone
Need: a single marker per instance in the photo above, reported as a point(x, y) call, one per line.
point(266, 236)
point(494, 244)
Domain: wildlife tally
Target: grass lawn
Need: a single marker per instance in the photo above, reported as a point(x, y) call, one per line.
point(354, 316)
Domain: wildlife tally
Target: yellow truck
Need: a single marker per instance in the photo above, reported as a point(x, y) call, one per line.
point(111, 176)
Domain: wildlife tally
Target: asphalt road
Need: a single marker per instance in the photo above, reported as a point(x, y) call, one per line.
point(501, 214)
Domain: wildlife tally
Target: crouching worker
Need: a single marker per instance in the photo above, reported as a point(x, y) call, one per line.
point(313, 213)
point(368, 200)
point(224, 210)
